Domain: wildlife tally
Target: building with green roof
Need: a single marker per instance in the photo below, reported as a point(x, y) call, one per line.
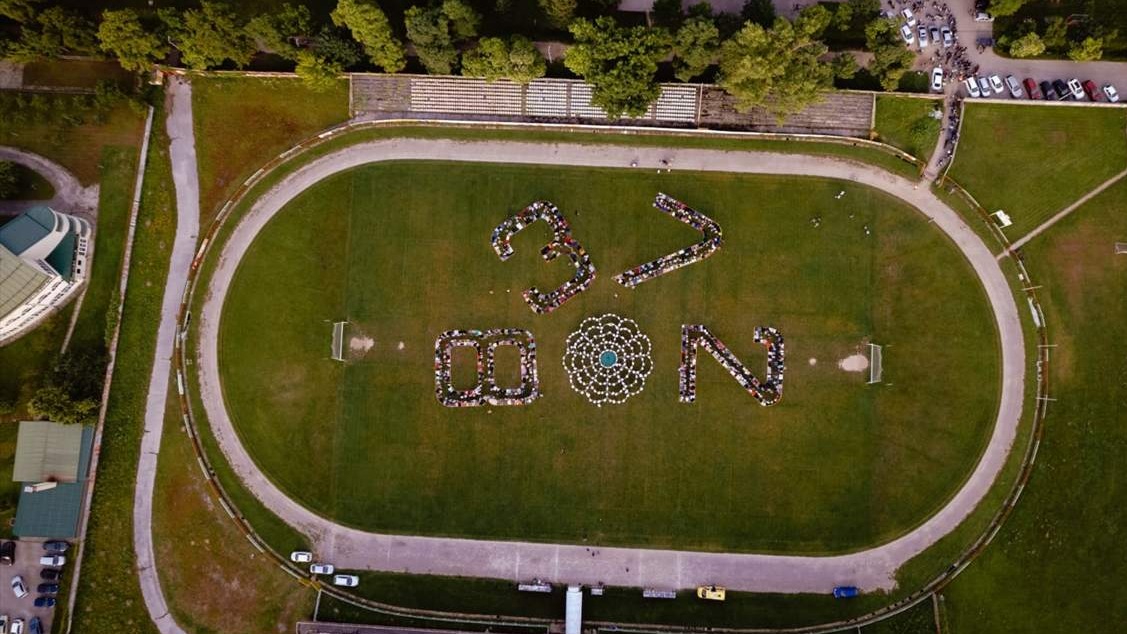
point(44, 257)
point(52, 461)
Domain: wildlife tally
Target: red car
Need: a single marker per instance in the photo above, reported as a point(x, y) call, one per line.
point(1031, 89)
point(1092, 90)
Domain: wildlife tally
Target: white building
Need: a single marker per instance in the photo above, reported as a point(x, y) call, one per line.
point(43, 262)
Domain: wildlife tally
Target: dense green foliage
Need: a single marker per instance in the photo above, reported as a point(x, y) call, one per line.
point(619, 62)
point(695, 45)
point(209, 36)
point(891, 59)
point(494, 58)
point(436, 30)
point(135, 45)
point(9, 180)
point(369, 26)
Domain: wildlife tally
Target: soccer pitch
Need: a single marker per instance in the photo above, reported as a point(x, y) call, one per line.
point(402, 252)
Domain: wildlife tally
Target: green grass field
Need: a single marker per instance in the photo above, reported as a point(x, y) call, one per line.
point(1058, 565)
point(1034, 161)
point(836, 466)
point(904, 122)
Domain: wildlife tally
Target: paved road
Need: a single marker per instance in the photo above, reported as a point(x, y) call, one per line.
point(349, 548)
point(70, 195)
point(183, 155)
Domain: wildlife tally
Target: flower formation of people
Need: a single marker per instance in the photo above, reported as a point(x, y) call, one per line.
point(607, 359)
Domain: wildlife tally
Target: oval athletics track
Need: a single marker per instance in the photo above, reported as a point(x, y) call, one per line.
point(871, 569)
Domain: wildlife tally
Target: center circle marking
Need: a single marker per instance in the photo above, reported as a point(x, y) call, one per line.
point(608, 358)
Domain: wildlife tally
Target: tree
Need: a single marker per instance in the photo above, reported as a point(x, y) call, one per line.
point(1001, 8)
point(667, 13)
point(371, 29)
point(55, 31)
point(318, 72)
point(1088, 50)
point(1056, 33)
point(9, 180)
point(494, 59)
point(843, 16)
point(761, 12)
point(815, 19)
point(694, 47)
point(560, 12)
point(464, 19)
point(844, 66)
point(619, 62)
point(22, 11)
point(429, 30)
point(208, 36)
point(53, 403)
point(135, 46)
point(891, 59)
point(777, 68)
point(72, 391)
point(272, 31)
point(865, 8)
point(1028, 45)
point(334, 45)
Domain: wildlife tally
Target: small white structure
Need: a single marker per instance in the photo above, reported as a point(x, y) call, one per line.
point(876, 363)
point(1121, 248)
point(573, 616)
point(43, 262)
point(1002, 219)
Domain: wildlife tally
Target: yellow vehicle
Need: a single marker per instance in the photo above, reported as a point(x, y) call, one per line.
point(712, 593)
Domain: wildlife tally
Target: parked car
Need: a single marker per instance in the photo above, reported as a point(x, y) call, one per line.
point(922, 30)
point(996, 84)
point(8, 553)
point(347, 581)
point(50, 574)
point(1111, 94)
point(18, 587)
point(984, 86)
point(1015, 87)
point(1048, 92)
point(36, 626)
point(45, 602)
point(906, 33)
point(1031, 89)
point(56, 561)
point(17, 627)
point(1092, 90)
point(846, 592)
point(1063, 93)
point(948, 37)
point(3, 624)
point(56, 547)
point(983, 16)
point(712, 593)
point(301, 557)
point(972, 87)
point(933, 34)
point(48, 588)
point(321, 569)
point(1075, 89)
point(937, 79)
point(908, 17)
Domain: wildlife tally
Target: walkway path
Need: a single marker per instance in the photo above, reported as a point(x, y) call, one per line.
point(70, 195)
point(350, 548)
point(183, 155)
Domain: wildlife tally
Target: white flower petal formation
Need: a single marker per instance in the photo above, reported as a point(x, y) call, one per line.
point(607, 359)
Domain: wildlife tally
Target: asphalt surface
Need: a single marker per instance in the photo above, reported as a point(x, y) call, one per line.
point(70, 195)
point(871, 569)
point(183, 155)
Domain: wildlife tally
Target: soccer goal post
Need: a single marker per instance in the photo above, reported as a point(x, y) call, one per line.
point(1120, 248)
point(875, 366)
point(338, 340)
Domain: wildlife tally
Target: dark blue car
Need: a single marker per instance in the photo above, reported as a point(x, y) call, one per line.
point(48, 588)
point(36, 626)
point(45, 602)
point(846, 592)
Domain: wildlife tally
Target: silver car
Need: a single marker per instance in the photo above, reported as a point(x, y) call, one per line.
point(1015, 87)
point(984, 86)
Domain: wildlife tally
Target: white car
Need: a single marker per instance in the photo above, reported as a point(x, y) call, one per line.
point(301, 557)
point(972, 87)
point(1076, 89)
point(937, 79)
point(3, 624)
point(18, 587)
point(948, 37)
point(1111, 94)
point(922, 30)
point(996, 84)
point(982, 16)
point(53, 561)
point(1015, 87)
point(906, 33)
point(984, 86)
point(17, 626)
point(321, 569)
point(908, 17)
point(347, 581)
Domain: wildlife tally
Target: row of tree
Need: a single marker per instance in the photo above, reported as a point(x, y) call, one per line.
point(761, 59)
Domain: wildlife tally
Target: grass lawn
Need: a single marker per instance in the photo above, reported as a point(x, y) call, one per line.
point(30, 185)
point(203, 557)
point(1058, 565)
point(83, 73)
point(402, 463)
point(905, 122)
point(1034, 161)
point(242, 123)
point(109, 596)
point(77, 148)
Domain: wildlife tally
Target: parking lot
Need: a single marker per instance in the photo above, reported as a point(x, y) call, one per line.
point(26, 565)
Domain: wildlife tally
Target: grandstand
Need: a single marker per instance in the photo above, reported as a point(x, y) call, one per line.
point(875, 363)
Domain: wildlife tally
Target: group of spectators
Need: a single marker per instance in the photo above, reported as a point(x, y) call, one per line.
point(713, 238)
point(767, 392)
point(562, 244)
point(485, 390)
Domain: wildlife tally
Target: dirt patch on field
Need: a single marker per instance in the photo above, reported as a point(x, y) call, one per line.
point(854, 363)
